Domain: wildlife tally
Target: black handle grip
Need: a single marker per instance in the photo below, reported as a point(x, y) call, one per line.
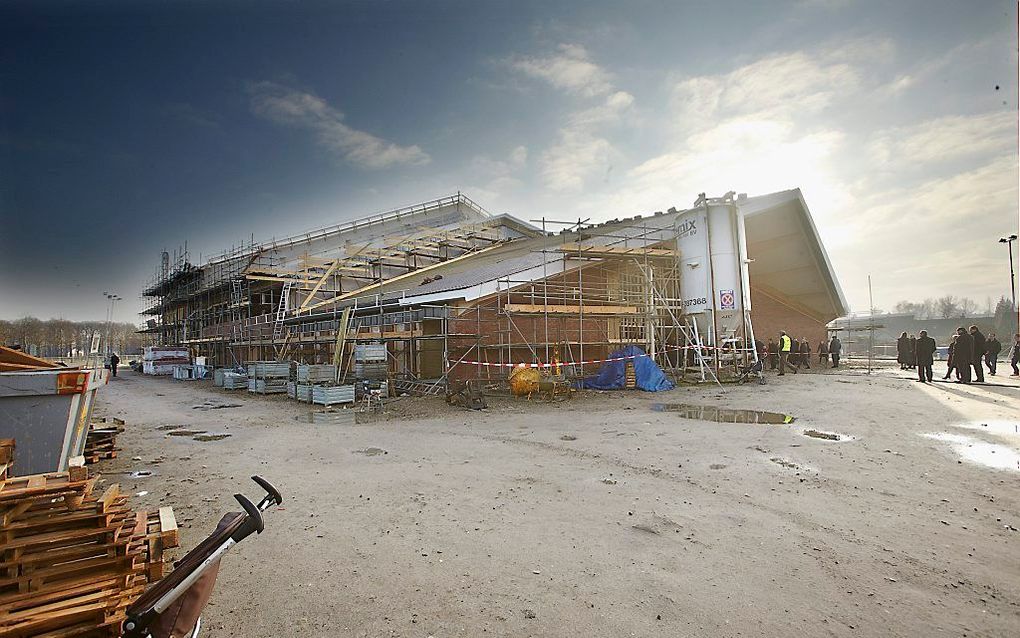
point(272, 497)
point(251, 524)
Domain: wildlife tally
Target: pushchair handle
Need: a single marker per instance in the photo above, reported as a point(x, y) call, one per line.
point(253, 523)
point(272, 497)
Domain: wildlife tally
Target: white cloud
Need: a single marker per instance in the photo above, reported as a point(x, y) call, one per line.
point(570, 69)
point(787, 85)
point(946, 139)
point(292, 107)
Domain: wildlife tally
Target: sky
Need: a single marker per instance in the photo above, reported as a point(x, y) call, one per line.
point(130, 127)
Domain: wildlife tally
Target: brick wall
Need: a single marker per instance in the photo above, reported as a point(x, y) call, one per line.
point(769, 316)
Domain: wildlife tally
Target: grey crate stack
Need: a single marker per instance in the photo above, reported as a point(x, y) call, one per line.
point(332, 394)
point(234, 381)
point(268, 377)
point(370, 361)
point(315, 373)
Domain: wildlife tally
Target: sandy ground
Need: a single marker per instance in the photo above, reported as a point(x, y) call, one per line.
point(600, 516)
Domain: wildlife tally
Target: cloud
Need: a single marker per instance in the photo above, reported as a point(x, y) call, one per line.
point(946, 139)
point(570, 69)
point(785, 85)
point(291, 107)
point(581, 150)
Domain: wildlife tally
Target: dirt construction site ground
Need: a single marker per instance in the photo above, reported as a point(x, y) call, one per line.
point(600, 515)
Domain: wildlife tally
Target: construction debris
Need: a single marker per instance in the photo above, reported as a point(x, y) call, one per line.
point(163, 359)
point(101, 442)
point(73, 562)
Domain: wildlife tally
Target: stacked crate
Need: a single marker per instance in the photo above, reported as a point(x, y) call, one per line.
point(268, 377)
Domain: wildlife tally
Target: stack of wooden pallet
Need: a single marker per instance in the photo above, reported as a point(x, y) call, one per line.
point(72, 562)
point(101, 441)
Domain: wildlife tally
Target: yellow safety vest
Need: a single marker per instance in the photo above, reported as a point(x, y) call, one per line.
point(784, 343)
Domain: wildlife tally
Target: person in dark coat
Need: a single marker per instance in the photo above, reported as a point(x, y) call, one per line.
point(114, 360)
point(912, 352)
point(794, 353)
point(901, 351)
point(963, 355)
point(823, 352)
point(950, 366)
point(773, 354)
point(925, 353)
point(992, 350)
point(978, 354)
point(805, 354)
point(835, 348)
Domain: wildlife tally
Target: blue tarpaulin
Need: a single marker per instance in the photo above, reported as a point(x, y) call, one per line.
point(612, 375)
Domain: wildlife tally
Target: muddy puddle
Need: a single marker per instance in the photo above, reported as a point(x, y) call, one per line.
point(991, 455)
point(723, 415)
point(185, 432)
point(164, 428)
point(213, 436)
point(340, 417)
point(371, 451)
point(827, 436)
point(216, 406)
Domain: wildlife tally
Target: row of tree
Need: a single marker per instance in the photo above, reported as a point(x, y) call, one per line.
point(60, 338)
point(952, 307)
point(1004, 313)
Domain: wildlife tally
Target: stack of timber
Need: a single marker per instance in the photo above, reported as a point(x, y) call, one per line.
point(101, 440)
point(6, 457)
point(71, 562)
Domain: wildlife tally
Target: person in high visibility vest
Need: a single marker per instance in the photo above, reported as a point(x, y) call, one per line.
point(785, 343)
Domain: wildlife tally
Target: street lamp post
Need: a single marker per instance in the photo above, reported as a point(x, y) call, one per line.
point(113, 299)
point(1012, 275)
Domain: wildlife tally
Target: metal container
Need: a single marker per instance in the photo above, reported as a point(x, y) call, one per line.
point(47, 413)
point(370, 352)
point(332, 394)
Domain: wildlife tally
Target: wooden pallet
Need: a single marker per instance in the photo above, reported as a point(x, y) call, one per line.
point(72, 561)
point(101, 441)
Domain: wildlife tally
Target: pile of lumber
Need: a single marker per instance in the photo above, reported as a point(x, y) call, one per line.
point(12, 360)
point(71, 562)
point(101, 440)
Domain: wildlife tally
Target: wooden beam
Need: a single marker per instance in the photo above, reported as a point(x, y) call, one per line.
point(557, 309)
point(363, 289)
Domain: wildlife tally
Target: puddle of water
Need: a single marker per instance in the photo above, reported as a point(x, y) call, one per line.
point(210, 437)
point(371, 451)
point(991, 455)
point(185, 432)
point(140, 474)
point(723, 415)
point(340, 417)
point(568, 437)
point(216, 406)
point(169, 427)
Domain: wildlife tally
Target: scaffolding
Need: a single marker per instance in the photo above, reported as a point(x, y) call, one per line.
point(582, 293)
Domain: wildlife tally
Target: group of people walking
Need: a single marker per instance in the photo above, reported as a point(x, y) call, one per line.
point(968, 351)
point(794, 354)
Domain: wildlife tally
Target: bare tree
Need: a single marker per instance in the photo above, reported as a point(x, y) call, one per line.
point(968, 307)
point(947, 307)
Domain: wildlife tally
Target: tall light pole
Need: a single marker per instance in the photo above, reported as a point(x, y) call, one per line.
point(113, 299)
point(1012, 275)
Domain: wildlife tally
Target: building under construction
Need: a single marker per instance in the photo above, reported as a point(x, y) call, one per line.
point(455, 292)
